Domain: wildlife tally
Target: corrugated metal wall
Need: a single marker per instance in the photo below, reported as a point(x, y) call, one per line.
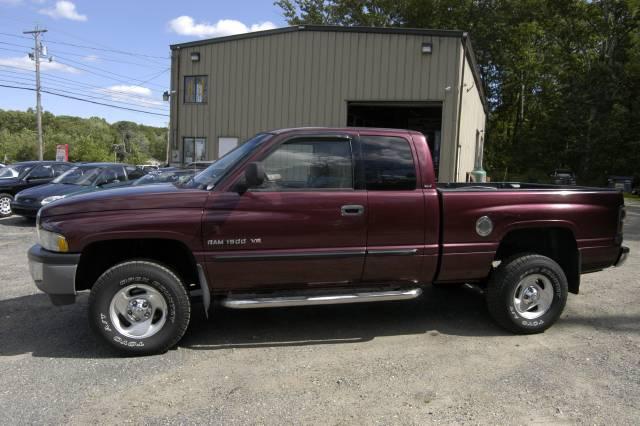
point(306, 78)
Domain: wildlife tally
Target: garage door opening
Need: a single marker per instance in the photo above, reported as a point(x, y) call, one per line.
point(422, 117)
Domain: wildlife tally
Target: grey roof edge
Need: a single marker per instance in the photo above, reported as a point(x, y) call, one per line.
point(471, 57)
point(464, 36)
point(328, 28)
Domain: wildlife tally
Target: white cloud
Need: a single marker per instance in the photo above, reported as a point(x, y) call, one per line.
point(64, 9)
point(24, 63)
point(126, 89)
point(186, 25)
point(91, 58)
point(138, 95)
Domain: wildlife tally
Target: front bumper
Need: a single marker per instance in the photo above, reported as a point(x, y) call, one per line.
point(27, 210)
point(622, 257)
point(54, 273)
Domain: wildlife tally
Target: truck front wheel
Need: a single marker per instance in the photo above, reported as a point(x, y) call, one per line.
point(527, 293)
point(139, 307)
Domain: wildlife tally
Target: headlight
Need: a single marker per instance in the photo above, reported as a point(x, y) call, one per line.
point(52, 241)
point(52, 199)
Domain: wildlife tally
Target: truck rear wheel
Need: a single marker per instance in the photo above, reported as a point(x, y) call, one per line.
point(139, 307)
point(527, 293)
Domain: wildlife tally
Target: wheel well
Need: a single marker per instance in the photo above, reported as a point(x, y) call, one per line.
point(558, 244)
point(100, 256)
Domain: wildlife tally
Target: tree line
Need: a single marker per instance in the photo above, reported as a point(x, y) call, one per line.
point(562, 77)
point(89, 139)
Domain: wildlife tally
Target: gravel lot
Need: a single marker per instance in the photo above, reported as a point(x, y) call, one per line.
point(439, 359)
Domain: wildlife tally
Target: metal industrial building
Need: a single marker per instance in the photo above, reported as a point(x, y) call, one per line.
point(225, 90)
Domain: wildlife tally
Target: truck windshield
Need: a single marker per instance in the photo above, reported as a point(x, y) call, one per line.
point(210, 176)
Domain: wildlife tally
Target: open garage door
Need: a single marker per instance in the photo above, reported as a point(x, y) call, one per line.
point(424, 117)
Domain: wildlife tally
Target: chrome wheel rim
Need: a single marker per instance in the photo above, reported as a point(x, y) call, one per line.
point(138, 311)
point(5, 206)
point(533, 296)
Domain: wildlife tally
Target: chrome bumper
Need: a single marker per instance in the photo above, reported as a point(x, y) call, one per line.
point(54, 274)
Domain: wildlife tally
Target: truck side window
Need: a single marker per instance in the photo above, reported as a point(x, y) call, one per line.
point(388, 163)
point(309, 164)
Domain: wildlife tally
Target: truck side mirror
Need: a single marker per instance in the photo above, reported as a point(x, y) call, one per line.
point(254, 175)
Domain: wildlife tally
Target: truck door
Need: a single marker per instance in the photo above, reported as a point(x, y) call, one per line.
point(305, 226)
point(396, 210)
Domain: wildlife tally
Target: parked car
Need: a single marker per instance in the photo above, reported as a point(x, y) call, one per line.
point(8, 172)
point(165, 176)
point(319, 216)
point(563, 177)
point(199, 165)
point(20, 176)
point(147, 168)
point(86, 177)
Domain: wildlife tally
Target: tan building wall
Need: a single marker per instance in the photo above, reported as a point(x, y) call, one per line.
point(472, 123)
point(306, 77)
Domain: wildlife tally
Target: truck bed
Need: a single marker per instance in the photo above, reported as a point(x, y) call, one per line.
point(511, 186)
point(587, 215)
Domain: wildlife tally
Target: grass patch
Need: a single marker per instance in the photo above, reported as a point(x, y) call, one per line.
point(632, 197)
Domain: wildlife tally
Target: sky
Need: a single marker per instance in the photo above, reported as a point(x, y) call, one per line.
point(114, 52)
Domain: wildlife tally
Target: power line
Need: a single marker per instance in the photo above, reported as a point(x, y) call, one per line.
point(57, 79)
point(16, 36)
point(85, 100)
point(12, 50)
point(85, 68)
point(121, 52)
point(67, 91)
point(14, 44)
point(84, 55)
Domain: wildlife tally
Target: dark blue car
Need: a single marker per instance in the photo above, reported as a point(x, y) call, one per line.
point(87, 177)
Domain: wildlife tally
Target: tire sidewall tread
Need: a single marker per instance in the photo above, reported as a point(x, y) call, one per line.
point(144, 272)
point(502, 285)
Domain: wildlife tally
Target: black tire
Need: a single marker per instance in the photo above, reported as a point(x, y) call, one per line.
point(504, 283)
point(149, 275)
point(2, 198)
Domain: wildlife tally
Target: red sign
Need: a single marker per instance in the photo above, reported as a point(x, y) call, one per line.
point(62, 152)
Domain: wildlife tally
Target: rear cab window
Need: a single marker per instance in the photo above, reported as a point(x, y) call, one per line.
point(388, 163)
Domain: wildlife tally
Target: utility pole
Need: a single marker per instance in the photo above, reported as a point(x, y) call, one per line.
point(37, 53)
point(168, 142)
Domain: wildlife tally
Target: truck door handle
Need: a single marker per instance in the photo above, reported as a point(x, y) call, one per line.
point(352, 210)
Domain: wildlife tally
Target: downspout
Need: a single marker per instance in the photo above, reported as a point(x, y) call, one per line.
point(461, 88)
point(176, 98)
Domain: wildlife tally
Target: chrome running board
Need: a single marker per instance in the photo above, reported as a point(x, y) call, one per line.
point(326, 299)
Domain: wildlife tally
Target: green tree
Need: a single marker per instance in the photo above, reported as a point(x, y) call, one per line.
point(562, 77)
point(91, 139)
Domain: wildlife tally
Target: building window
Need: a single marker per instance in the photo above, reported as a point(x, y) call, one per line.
point(195, 89)
point(309, 165)
point(195, 149)
point(388, 163)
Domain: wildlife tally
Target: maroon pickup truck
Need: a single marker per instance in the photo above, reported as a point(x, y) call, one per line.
point(319, 216)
